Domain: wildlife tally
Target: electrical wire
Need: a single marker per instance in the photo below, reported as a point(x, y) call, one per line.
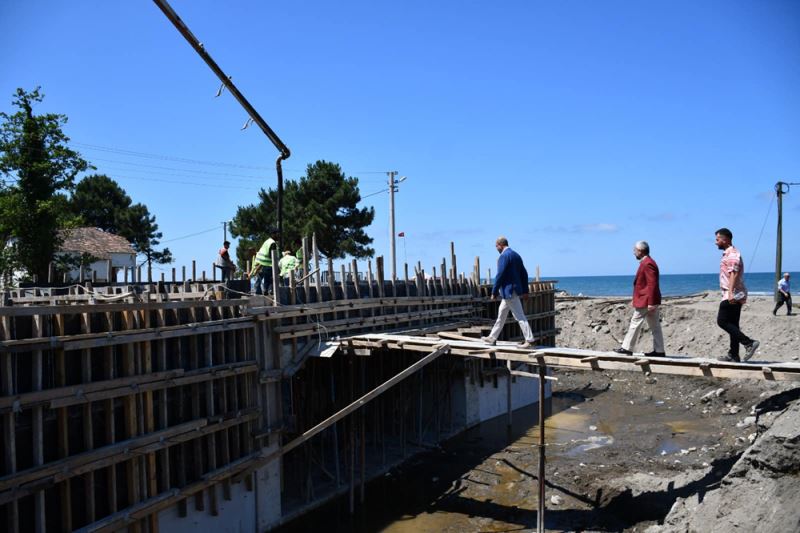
point(215, 228)
point(769, 210)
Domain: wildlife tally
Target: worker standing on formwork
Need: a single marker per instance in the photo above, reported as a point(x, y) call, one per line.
point(224, 262)
point(287, 265)
point(262, 267)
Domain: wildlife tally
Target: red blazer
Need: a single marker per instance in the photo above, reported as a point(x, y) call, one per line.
point(645, 284)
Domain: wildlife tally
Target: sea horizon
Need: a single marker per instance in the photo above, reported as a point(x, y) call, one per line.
point(758, 283)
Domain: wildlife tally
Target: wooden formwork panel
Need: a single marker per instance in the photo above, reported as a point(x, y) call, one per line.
point(113, 411)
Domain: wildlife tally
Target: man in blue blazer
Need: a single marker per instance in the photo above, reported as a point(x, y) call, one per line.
point(510, 283)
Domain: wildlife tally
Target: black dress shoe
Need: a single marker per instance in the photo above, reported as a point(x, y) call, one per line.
point(655, 354)
point(623, 351)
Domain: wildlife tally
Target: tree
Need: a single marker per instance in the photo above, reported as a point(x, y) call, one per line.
point(324, 201)
point(100, 202)
point(36, 166)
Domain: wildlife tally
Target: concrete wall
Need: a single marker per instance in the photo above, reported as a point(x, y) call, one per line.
point(246, 512)
point(484, 403)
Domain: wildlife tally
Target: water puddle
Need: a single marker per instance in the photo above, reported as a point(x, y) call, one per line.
point(485, 478)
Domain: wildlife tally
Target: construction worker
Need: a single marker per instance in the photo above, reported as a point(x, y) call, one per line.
point(262, 266)
point(224, 262)
point(287, 264)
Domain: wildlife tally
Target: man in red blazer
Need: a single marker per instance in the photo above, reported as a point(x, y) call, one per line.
point(646, 299)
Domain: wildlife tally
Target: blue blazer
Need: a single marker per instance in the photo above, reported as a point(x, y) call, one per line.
point(512, 278)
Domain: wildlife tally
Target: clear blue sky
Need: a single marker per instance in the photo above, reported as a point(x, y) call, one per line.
point(573, 128)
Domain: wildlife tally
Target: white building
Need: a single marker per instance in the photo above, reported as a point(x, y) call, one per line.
point(101, 245)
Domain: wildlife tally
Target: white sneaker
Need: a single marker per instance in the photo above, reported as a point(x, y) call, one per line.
point(488, 340)
point(525, 344)
point(750, 350)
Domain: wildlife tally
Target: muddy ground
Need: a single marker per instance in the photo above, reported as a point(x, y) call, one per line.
point(628, 452)
point(625, 451)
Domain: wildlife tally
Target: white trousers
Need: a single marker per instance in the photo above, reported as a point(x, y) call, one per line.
point(514, 305)
point(640, 314)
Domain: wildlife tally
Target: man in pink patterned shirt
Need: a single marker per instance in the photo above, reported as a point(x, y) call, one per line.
point(734, 295)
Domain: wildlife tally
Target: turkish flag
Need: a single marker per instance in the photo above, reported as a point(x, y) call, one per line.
point(401, 234)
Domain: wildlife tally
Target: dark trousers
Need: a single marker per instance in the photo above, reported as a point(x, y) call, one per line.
point(728, 319)
point(264, 280)
point(781, 300)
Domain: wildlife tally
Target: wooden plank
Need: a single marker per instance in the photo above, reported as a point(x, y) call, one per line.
point(97, 340)
point(151, 484)
point(10, 435)
point(108, 415)
point(572, 358)
point(62, 417)
point(88, 426)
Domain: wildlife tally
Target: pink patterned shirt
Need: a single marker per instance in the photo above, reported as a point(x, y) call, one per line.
point(732, 262)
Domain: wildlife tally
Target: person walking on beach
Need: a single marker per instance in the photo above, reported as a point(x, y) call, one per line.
point(646, 301)
point(784, 296)
point(734, 295)
point(510, 283)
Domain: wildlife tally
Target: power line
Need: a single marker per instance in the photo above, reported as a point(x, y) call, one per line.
point(147, 155)
point(215, 228)
point(163, 157)
point(131, 163)
point(219, 186)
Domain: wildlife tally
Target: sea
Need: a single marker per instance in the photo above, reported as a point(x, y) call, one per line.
point(670, 284)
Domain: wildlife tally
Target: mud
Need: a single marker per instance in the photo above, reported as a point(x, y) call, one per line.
point(625, 451)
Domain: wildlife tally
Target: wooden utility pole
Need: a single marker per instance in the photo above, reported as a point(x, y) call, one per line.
point(781, 188)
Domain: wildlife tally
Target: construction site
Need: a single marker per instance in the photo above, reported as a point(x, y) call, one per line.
point(177, 405)
point(379, 400)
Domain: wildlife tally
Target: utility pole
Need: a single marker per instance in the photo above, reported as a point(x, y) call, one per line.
point(781, 188)
point(225, 231)
point(393, 189)
point(391, 175)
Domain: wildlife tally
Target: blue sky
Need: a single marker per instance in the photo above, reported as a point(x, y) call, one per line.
point(574, 128)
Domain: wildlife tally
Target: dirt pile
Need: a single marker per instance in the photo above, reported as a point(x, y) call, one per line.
point(750, 481)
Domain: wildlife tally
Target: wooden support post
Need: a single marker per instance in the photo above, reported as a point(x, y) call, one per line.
point(306, 262)
point(88, 427)
point(356, 284)
point(63, 427)
point(317, 282)
point(9, 434)
point(276, 278)
point(108, 414)
point(331, 280)
point(194, 270)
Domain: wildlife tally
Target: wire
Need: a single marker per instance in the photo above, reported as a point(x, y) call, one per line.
point(163, 157)
point(374, 193)
point(221, 185)
point(194, 171)
point(769, 210)
point(215, 228)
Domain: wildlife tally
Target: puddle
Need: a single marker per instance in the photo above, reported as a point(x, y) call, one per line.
point(485, 478)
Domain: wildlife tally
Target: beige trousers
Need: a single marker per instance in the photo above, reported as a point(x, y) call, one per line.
point(514, 305)
point(640, 314)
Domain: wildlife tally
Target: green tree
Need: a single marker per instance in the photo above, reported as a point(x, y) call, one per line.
point(100, 202)
point(36, 166)
point(324, 201)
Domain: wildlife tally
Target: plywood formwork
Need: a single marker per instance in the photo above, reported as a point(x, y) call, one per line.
point(120, 402)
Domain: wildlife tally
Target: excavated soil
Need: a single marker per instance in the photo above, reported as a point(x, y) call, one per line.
point(625, 451)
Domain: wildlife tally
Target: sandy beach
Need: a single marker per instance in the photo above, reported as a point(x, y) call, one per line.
point(689, 326)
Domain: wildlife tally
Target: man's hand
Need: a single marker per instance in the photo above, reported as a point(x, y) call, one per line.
point(493, 296)
point(651, 308)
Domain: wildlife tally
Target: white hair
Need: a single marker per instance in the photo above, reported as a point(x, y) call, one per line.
point(643, 246)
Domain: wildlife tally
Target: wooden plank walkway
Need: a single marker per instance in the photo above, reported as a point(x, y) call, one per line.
point(581, 359)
